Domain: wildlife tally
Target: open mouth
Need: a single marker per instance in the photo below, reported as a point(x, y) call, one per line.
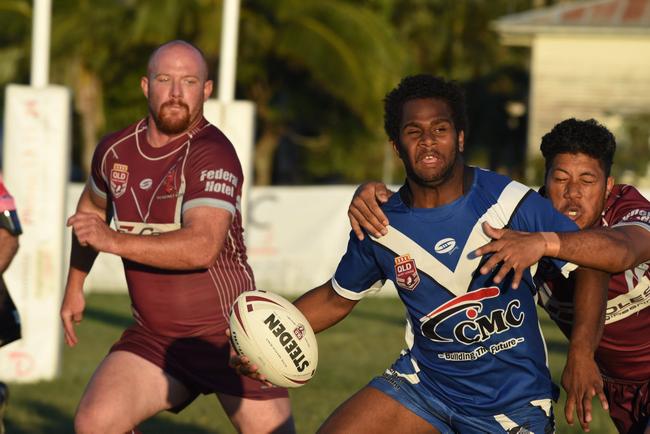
point(572, 213)
point(429, 158)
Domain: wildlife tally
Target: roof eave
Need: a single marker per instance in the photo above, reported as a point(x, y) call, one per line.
point(523, 34)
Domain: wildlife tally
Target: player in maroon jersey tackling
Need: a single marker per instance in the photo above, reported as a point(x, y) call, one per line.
point(579, 157)
point(616, 238)
point(175, 176)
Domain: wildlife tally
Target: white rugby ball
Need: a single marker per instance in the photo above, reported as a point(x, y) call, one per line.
point(275, 336)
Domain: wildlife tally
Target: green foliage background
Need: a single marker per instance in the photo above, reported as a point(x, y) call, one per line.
point(317, 71)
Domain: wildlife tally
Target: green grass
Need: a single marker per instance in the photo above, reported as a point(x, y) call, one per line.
point(368, 341)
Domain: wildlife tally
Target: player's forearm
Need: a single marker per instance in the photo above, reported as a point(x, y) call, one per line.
point(82, 258)
point(590, 299)
point(75, 280)
point(8, 249)
point(600, 248)
point(184, 249)
point(323, 307)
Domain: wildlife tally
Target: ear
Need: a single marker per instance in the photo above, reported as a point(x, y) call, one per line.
point(395, 149)
point(207, 89)
point(610, 186)
point(144, 85)
point(461, 141)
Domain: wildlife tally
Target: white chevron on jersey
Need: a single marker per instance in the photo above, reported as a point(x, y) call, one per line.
point(457, 281)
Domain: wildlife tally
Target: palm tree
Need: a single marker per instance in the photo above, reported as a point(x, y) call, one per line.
point(336, 47)
point(336, 55)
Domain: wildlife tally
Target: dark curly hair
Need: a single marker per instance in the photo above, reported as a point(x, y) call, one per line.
point(573, 136)
point(423, 86)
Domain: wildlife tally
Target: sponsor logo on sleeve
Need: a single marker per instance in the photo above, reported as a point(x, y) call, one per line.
point(640, 215)
point(119, 179)
point(219, 181)
point(406, 273)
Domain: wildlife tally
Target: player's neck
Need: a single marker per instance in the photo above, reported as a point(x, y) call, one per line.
point(158, 139)
point(456, 185)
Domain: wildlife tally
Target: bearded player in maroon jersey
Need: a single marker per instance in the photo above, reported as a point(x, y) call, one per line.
point(172, 183)
point(616, 238)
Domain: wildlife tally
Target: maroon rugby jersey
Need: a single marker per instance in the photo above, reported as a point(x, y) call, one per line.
point(624, 351)
point(149, 189)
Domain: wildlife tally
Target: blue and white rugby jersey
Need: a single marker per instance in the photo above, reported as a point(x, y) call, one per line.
point(478, 346)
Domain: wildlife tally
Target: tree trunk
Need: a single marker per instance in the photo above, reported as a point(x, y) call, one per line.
point(89, 102)
point(264, 154)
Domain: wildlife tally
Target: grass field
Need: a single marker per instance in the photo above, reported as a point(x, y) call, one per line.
point(351, 353)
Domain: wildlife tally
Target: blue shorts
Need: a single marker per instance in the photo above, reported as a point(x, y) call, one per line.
point(400, 383)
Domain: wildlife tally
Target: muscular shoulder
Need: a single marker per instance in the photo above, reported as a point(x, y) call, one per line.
point(496, 188)
point(119, 136)
point(626, 205)
point(211, 138)
point(212, 146)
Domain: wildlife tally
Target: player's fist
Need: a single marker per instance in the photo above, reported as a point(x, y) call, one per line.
point(91, 230)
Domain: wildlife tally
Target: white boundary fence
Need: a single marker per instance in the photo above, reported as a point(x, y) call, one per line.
point(295, 238)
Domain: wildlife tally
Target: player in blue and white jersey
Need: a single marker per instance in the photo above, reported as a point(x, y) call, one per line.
point(475, 359)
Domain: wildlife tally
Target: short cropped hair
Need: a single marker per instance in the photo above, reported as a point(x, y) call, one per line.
point(152, 56)
point(419, 87)
point(573, 136)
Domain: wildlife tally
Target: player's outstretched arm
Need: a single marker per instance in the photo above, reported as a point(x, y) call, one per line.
point(364, 211)
point(614, 249)
point(515, 250)
point(618, 249)
point(581, 378)
point(323, 307)
point(82, 258)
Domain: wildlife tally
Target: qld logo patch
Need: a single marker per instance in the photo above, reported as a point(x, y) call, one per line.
point(406, 273)
point(119, 179)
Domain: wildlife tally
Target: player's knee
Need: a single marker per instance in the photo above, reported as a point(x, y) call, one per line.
point(275, 426)
point(88, 420)
point(276, 419)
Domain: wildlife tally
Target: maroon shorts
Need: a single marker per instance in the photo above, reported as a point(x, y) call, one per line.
point(200, 363)
point(629, 404)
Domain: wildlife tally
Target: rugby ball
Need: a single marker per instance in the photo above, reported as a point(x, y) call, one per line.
point(275, 336)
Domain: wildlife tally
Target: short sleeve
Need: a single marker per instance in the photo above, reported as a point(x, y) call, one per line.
point(629, 207)
point(214, 176)
point(98, 178)
point(358, 273)
point(537, 214)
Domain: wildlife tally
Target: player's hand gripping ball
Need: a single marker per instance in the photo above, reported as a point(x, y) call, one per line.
point(275, 336)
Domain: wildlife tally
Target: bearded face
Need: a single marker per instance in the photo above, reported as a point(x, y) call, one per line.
point(176, 87)
point(173, 117)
